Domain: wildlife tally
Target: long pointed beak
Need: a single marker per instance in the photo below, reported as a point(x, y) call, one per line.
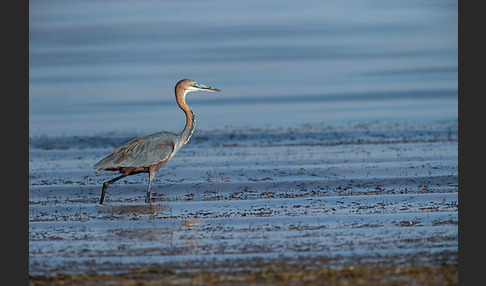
point(206, 88)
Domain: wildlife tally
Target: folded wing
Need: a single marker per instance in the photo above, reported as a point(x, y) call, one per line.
point(141, 152)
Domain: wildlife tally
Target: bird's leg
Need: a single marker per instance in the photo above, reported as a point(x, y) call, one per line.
point(151, 176)
point(105, 185)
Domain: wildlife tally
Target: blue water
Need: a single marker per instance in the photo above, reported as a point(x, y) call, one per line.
point(110, 66)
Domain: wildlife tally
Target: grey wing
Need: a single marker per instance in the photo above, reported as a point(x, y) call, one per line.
point(141, 152)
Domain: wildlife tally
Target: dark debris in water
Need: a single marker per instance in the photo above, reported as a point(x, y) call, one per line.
point(373, 133)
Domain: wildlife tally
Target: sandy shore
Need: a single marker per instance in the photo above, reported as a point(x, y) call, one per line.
point(356, 204)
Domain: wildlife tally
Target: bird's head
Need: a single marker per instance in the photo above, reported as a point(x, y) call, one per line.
point(190, 85)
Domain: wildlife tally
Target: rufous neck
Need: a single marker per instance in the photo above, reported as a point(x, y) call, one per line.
point(190, 118)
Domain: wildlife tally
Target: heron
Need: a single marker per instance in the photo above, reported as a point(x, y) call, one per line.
point(148, 154)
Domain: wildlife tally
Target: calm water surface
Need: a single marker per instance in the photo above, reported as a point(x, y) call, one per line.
point(110, 66)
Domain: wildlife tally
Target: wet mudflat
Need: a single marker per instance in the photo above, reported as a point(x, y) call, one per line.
point(333, 204)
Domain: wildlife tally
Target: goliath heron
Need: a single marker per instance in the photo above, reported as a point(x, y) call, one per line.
point(150, 153)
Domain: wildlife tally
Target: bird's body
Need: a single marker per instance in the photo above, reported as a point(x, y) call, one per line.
point(139, 154)
point(150, 153)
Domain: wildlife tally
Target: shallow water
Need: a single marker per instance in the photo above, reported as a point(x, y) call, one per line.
point(365, 195)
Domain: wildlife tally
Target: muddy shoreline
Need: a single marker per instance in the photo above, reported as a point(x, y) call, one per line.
point(270, 273)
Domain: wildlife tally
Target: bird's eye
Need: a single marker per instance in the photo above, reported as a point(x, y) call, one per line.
point(191, 83)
